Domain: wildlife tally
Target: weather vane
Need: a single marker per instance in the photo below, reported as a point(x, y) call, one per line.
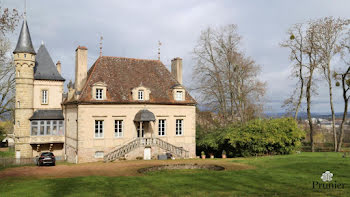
point(159, 44)
point(25, 10)
point(101, 38)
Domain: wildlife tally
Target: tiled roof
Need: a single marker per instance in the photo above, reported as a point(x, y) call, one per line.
point(44, 68)
point(121, 75)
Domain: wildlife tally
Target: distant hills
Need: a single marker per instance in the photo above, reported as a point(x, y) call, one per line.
point(303, 115)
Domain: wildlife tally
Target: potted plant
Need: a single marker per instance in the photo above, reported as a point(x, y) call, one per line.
point(211, 156)
point(203, 154)
point(224, 154)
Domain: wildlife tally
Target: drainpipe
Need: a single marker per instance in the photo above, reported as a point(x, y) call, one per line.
point(76, 155)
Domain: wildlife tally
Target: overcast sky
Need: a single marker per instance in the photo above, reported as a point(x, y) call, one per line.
point(133, 28)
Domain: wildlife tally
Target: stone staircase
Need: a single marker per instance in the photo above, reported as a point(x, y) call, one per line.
point(142, 142)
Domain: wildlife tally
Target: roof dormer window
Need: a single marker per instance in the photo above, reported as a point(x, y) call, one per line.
point(179, 95)
point(99, 93)
point(99, 90)
point(140, 95)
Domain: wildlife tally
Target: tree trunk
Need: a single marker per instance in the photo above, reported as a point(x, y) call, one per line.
point(301, 91)
point(332, 108)
point(346, 100)
point(308, 100)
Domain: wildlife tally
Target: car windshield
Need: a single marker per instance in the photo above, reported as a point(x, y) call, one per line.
point(46, 154)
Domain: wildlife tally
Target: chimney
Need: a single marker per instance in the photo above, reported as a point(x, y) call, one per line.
point(176, 69)
point(80, 67)
point(58, 66)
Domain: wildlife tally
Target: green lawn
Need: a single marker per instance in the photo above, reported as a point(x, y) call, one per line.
point(291, 175)
point(8, 153)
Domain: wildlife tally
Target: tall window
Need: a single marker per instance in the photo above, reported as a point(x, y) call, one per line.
point(99, 94)
point(161, 127)
point(140, 133)
point(44, 97)
point(98, 128)
point(178, 96)
point(179, 126)
point(140, 95)
point(47, 127)
point(35, 128)
point(118, 128)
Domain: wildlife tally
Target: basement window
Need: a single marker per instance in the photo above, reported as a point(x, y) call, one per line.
point(99, 154)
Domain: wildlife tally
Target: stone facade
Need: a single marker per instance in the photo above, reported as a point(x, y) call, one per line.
point(24, 63)
point(82, 119)
point(33, 74)
point(102, 102)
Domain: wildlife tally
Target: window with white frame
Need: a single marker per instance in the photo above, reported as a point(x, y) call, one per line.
point(44, 96)
point(140, 95)
point(99, 93)
point(98, 128)
point(179, 95)
point(118, 128)
point(47, 127)
point(179, 126)
point(161, 127)
point(99, 154)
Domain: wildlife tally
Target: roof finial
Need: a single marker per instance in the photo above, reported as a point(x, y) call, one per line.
point(42, 42)
point(25, 10)
point(159, 44)
point(101, 38)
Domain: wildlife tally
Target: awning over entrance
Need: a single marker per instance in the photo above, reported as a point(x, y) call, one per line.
point(144, 116)
point(47, 115)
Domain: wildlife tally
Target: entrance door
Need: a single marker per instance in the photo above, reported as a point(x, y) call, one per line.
point(142, 132)
point(147, 154)
point(18, 154)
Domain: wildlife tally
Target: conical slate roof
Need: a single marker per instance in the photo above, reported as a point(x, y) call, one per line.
point(24, 44)
point(44, 68)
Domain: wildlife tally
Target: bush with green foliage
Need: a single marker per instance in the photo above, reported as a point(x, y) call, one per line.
point(256, 137)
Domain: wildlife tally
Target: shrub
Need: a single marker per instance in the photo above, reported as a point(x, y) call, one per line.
point(256, 137)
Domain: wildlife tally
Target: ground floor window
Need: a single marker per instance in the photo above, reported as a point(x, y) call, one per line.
point(118, 128)
point(161, 127)
point(179, 126)
point(98, 128)
point(47, 127)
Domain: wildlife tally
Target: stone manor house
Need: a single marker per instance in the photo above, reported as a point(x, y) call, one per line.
point(119, 108)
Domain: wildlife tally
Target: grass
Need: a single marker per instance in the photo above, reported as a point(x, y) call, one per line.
point(289, 175)
point(7, 153)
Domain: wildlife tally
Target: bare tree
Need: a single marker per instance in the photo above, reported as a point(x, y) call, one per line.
point(296, 45)
point(344, 77)
point(226, 78)
point(329, 34)
point(8, 22)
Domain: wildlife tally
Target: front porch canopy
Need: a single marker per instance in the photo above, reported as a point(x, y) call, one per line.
point(144, 116)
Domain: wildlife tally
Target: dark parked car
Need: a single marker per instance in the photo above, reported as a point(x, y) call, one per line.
point(46, 158)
